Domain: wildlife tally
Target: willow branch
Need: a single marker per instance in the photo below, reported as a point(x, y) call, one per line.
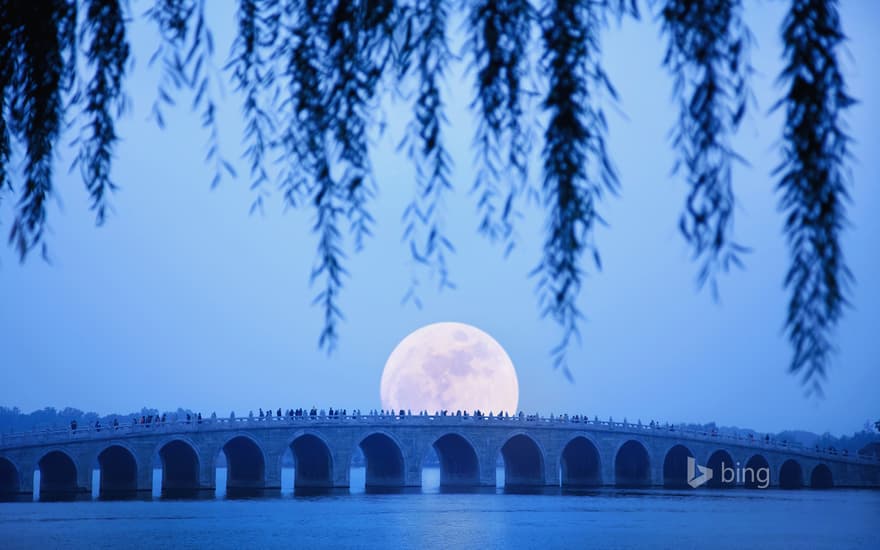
point(813, 183)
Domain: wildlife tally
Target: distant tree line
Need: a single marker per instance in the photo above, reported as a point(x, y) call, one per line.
point(864, 440)
point(14, 420)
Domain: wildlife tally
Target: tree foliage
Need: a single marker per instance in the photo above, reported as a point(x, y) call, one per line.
point(311, 74)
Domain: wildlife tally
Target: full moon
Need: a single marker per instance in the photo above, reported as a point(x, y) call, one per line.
point(451, 366)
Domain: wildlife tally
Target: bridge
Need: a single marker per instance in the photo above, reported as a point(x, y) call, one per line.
point(568, 452)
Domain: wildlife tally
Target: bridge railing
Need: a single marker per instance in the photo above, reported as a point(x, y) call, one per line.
point(58, 435)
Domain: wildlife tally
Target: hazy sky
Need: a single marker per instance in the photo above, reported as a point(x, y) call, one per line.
point(183, 299)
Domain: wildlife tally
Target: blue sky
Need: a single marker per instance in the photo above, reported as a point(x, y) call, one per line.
point(184, 299)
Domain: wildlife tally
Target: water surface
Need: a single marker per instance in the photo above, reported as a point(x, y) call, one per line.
point(736, 518)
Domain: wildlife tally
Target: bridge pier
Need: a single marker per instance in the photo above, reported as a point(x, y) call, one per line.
point(26, 480)
point(84, 474)
point(656, 469)
point(607, 456)
point(341, 472)
point(413, 453)
point(272, 483)
point(25, 492)
point(552, 460)
point(207, 477)
point(145, 479)
point(488, 471)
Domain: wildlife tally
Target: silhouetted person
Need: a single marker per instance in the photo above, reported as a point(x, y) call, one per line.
point(73, 426)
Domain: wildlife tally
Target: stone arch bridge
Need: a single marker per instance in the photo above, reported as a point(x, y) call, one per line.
point(536, 452)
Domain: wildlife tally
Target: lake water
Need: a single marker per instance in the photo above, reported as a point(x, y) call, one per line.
point(433, 519)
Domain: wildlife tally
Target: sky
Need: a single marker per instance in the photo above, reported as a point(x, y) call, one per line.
point(184, 299)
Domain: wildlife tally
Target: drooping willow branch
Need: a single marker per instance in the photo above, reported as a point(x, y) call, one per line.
point(813, 182)
point(7, 69)
point(423, 217)
point(312, 74)
point(359, 52)
point(577, 167)
point(108, 53)
point(253, 74)
point(309, 141)
point(707, 55)
point(41, 51)
point(186, 50)
point(500, 33)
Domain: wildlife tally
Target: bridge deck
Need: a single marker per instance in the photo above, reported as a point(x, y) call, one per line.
point(62, 435)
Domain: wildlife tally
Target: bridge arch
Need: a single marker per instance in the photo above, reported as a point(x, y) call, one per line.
point(723, 470)
point(245, 464)
point(385, 463)
point(181, 464)
point(10, 479)
point(756, 473)
point(791, 475)
point(118, 466)
point(675, 465)
point(523, 461)
point(821, 477)
point(580, 464)
point(313, 460)
point(459, 462)
point(58, 475)
point(632, 464)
